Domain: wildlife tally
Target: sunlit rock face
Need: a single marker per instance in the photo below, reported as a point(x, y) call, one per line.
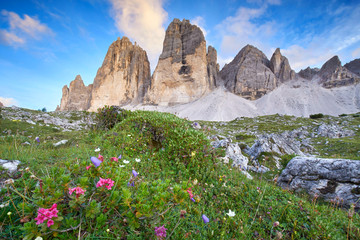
point(181, 74)
point(76, 96)
point(124, 76)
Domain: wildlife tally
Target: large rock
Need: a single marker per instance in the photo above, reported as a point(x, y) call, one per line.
point(76, 96)
point(354, 66)
point(308, 73)
point(332, 74)
point(212, 67)
point(181, 75)
point(332, 179)
point(249, 74)
point(281, 67)
point(124, 76)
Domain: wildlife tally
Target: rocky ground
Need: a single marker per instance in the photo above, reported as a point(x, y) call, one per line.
point(260, 145)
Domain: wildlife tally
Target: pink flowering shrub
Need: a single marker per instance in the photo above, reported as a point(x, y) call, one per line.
point(47, 214)
point(78, 190)
point(108, 183)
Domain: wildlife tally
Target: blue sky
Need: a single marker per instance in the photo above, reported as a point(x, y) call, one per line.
point(45, 44)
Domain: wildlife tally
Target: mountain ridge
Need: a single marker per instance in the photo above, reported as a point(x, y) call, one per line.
point(187, 71)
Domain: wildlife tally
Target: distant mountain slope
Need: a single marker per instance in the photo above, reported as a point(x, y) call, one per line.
point(297, 97)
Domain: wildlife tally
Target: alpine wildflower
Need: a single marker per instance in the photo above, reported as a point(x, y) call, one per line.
point(134, 173)
point(205, 218)
point(97, 150)
point(78, 190)
point(160, 232)
point(108, 183)
point(231, 213)
point(95, 161)
point(47, 214)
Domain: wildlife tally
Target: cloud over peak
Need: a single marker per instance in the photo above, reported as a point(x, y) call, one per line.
point(142, 21)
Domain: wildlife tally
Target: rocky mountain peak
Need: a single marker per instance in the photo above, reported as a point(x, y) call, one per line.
point(181, 39)
point(185, 71)
point(249, 74)
point(280, 66)
point(354, 66)
point(332, 74)
point(308, 73)
point(124, 76)
point(76, 96)
point(330, 67)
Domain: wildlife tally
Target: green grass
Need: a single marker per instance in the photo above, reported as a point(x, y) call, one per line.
point(174, 157)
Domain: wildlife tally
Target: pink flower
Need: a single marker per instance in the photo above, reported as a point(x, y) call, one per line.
point(101, 158)
point(47, 214)
point(114, 159)
point(160, 232)
point(108, 183)
point(78, 190)
point(88, 167)
point(50, 222)
point(190, 193)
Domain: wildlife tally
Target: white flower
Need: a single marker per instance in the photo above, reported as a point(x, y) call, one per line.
point(4, 205)
point(137, 160)
point(38, 238)
point(231, 213)
point(27, 169)
point(9, 181)
point(108, 230)
point(9, 213)
point(122, 166)
point(126, 161)
point(97, 150)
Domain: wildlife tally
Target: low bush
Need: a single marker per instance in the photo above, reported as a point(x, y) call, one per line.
point(315, 116)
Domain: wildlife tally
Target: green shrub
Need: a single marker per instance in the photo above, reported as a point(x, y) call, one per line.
point(108, 116)
point(315, 116)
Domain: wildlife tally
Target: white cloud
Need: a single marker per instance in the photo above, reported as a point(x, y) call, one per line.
point(142, 21)
point(200, 22)
point(10, 38)
point(22, 29)
point(8, 101)
point(241, 29)
point(356, 53)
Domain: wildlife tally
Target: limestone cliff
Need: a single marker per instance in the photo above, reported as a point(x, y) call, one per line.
point(354, 66)
point(124, 76)
point(185, 72)
point(332, 74)
point(280, 66)
point(249, 74)
point(76, 97)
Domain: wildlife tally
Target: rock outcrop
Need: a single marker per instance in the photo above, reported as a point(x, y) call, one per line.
point(308, 73)
point(280, 66)
point(124, 76)
point(76, 97)
point(332, 74)
point(249, 74)
point(354, 66)
point(185, 72)
point(212, 67)
point(332, 179)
